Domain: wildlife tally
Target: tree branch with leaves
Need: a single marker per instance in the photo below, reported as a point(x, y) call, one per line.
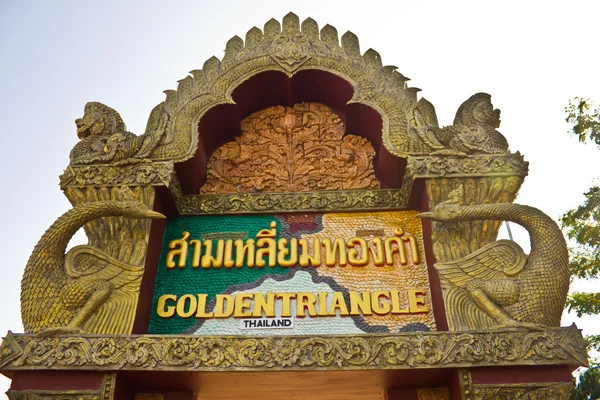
point(582, 225)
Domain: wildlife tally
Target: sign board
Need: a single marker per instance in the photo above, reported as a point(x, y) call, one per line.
point(330, 273)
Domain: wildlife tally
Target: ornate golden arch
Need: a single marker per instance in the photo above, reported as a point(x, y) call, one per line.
point(290, 47)
point(430, 162)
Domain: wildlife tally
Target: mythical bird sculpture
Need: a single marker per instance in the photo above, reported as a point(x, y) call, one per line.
point(60, 293)
point(473, 132)
point(498, 286)
point(104, 138)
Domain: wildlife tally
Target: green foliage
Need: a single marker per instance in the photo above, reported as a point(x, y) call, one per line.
point(588, 386)
point(594, 341)
point(582, 225)
point(584, 303)
point(585, 119)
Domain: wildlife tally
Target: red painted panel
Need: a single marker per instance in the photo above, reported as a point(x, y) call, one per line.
point(402, 394)
point(521, 374)
point(157, 229)
point(439, 311)
point(56, 380)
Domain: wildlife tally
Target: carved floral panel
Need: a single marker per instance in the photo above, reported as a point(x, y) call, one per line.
point(290, 149)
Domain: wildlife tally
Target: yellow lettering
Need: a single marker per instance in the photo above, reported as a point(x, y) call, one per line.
point(416, 299)
point(396, 303)
point(378, 307)
point(322, 304)
point(338, 303)
point(242, 305)
point(197, 250)
point(377, 251)
point(242, 251)
point(228, 263)
point(162, 309)
point(414, 248)
point(266, 247)
point(286, 300)
point(262, 305)
point(389, 250)
point(201, 312)
point(223, 305)
point(179, 249)
point(181, 306)
point(305, 258)
point(360, 300)
point(268, 233)
point(283, 252)
point(305, 300)
point(358, 258)
point(335, 252)
point(207, 259)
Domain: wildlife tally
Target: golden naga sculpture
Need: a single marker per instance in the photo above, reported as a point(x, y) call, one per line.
point(104, 138)
point(473, 132)
point(59, 294)
point(498, 286)
point(287, 149)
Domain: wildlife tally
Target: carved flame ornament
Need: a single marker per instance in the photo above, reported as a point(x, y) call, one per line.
point(290, 149)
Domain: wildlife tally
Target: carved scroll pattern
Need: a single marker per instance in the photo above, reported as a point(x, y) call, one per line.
point(290, 149)
point(558, 346)
point(541, 391)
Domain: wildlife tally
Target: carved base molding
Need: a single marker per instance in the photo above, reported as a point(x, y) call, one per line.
point(342, 200)
point(510, 164)
point(556, 346)
point(511, 391)
point(53, 395)
point(145, 173)
point(538, 391)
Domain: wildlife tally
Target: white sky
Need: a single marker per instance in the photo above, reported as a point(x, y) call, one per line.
point(55, 56)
